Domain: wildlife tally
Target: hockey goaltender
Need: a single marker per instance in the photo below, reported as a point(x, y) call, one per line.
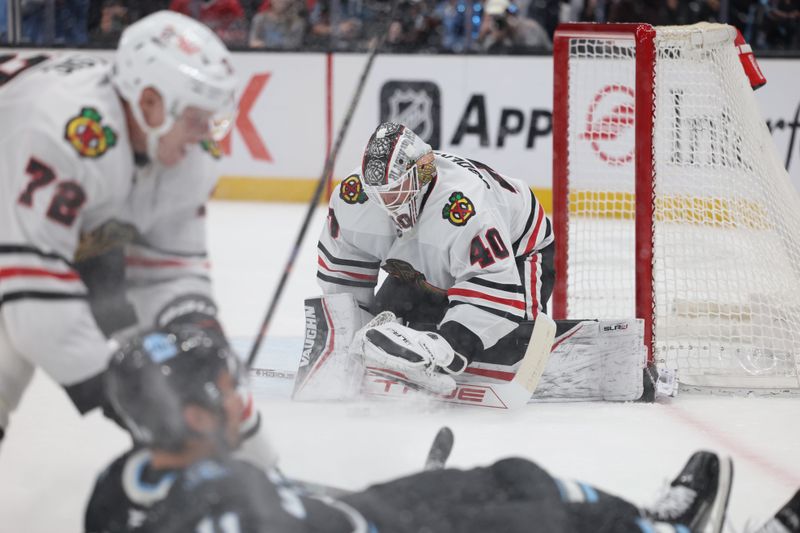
point(468, 254)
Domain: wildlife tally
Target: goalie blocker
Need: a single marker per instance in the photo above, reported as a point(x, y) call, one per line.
point(589, 360)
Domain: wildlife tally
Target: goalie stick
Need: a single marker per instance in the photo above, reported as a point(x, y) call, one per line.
point(437, 456)
point(330, 368)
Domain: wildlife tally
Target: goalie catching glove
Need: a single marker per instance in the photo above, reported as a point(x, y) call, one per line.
point(421, 359)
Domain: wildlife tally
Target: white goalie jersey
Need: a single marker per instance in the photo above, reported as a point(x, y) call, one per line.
point(478, 241)
point(70, 188)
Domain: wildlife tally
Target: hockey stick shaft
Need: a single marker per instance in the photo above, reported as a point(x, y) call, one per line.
point(323, 179)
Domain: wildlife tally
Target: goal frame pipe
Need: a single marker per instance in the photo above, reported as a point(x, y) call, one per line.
point(644, 38)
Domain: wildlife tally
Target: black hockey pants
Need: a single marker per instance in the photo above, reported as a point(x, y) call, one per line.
point(510, 496)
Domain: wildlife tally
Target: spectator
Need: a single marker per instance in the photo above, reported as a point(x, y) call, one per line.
point(252, 7)
point(281, 25)
point(591, 10)
point(634, 11)
point(141, 8)
point(55, 21)
point(545, 12)
point(335, 22)
point(673, 13)
point(136, 9)
point(3, 22)
point(452, 17)
point(413, 27)
point(708, 11)
point(781, 21)
point(742, 14)
point(112, 19)
point(571, 11)
point(224, 17)
point(503, 29)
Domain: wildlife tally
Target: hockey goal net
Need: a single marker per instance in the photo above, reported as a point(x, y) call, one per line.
point(670, 202)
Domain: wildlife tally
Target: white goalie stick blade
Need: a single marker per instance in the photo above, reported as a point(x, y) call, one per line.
point(496, 394)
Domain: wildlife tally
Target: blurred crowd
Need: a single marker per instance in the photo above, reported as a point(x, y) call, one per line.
point(488, 26)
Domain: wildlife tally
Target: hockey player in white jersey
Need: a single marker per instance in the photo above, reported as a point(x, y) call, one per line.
point(97, 157)
point(469, 257)
point(467, 249)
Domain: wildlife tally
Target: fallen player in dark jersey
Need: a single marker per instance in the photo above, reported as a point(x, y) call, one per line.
point(181, 476)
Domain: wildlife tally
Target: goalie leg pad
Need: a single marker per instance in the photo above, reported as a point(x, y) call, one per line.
point(596, 360)
point(327, 370)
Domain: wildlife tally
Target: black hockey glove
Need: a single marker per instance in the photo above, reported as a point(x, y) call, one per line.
point(195, 309)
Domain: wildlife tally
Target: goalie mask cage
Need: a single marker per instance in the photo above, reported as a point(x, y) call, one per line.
point(670, 202)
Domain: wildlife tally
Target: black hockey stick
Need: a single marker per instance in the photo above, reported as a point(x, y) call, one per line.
point(440, 449)
point(375, 45)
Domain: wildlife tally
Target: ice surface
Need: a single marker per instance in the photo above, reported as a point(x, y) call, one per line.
point(51, 455)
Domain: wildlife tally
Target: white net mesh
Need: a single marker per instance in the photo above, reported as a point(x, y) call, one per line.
point(601, 176)
point(726, 256)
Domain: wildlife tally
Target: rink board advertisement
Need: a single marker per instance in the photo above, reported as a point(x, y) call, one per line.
point(496, 109)
point(280, 130)
point(493, 109)
point(779, 101)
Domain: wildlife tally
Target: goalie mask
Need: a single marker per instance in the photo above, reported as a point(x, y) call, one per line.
point(153, 377)
point(397, 164)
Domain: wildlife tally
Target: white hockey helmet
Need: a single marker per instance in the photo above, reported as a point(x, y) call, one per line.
point(185, 62)
point(397, 164)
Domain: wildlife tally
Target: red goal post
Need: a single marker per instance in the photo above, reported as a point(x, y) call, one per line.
point(670, 202)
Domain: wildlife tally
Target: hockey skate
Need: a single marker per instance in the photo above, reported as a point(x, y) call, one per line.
point(698, 497)
point(786, 520)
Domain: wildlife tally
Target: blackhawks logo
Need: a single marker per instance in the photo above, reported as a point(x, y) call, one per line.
point(459, 210)
point(87, 134)
point(213, 148)
point(352, 191)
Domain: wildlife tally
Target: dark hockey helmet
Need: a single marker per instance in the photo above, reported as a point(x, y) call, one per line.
point(396, 165)
point(156, 374)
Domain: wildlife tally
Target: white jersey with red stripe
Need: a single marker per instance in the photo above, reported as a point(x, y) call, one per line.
point(168, 257)
point(474, 226)
point(69, 188)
